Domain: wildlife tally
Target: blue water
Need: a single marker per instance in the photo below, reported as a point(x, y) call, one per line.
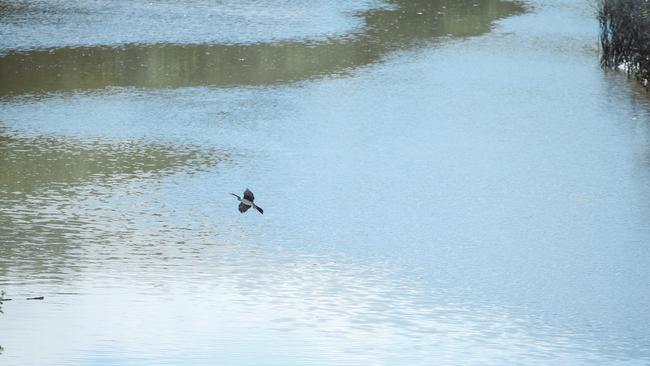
point(469, 200)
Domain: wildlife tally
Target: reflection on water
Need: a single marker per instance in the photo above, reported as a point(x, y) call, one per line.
point(51, 163)
point(44, 181)
point(162, 282)
point(33, 24)
point(405, 24)
point(416, 213)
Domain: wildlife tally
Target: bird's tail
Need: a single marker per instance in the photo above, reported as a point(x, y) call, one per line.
point(258, 208)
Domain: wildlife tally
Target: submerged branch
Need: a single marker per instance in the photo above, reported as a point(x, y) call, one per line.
point(29, 298)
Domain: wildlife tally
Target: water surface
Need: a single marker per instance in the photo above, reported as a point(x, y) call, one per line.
point(293, 56)
point(443, 182)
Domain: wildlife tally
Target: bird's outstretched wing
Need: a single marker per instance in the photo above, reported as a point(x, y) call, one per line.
point(243, 207)
point(258, 208)
point(239, 198)
point(248, 195)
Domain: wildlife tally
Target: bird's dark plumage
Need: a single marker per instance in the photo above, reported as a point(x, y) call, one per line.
point(247, 202)
point(248, 195)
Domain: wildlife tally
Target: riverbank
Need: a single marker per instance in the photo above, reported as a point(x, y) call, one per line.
point(625, 37)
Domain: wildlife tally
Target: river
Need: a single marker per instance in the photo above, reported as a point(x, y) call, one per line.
point(443, 182)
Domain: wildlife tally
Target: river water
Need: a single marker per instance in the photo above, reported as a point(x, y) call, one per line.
point(444, 182)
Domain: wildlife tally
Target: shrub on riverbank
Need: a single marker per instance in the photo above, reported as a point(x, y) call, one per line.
point(625, 36)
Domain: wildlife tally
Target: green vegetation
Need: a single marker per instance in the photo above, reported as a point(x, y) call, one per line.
point(625, 36)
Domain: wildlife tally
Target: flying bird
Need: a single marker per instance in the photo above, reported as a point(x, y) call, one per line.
point(247, 202)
